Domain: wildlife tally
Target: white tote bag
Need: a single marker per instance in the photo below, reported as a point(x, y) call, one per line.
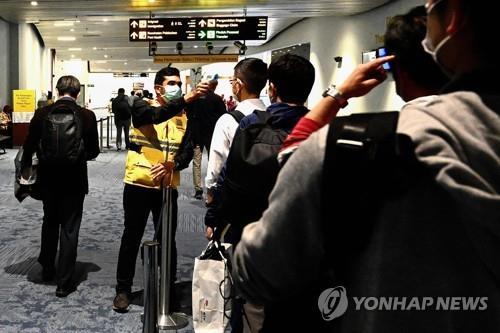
point(211, 290)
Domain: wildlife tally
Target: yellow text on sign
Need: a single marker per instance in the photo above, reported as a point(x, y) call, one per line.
point(24, 100)
point(195, 58)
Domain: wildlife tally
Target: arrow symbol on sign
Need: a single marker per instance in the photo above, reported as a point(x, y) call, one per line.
point(134, 35)
point(201, 34)
point(202, 23)
point(134, 24)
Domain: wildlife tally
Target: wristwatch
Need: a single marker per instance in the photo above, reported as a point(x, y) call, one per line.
point(334, 93)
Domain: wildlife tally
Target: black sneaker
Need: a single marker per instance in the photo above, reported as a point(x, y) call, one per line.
point(198, 195)
point(121, 302)
point(63, 292)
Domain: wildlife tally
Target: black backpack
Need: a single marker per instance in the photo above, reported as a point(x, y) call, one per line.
point(61, 140)
point(237, 115)
point(121, 108)
point(251, 171)
point(366, 161)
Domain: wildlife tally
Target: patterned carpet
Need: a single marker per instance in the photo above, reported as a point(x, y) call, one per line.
point(27, 305)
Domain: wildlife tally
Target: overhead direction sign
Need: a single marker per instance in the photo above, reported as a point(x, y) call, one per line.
point(197, 29)
point(194, 58)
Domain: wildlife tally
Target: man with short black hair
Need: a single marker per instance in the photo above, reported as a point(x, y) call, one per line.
point(122, 111)
point(250, 77)
point(414, 71)
point(64, 184)
point(203, 115)
point(159, 149)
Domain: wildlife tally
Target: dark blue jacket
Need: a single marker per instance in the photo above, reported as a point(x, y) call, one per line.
point(284, 117)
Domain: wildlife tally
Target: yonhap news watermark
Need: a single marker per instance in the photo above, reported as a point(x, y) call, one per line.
point(333, 303)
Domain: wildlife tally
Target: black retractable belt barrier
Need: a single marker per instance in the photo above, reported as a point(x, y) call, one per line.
point(150, 260)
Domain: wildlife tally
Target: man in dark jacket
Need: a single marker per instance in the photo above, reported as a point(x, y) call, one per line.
point(203, 115)
point(291, 79)
point(63, 188)
point(122, 111)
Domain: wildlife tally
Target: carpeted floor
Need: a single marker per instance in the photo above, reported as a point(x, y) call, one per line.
point(27, 305)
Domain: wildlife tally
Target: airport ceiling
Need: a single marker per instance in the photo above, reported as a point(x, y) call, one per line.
point(100, 27)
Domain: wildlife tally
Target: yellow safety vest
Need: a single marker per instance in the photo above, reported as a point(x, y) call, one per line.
point(159, 143)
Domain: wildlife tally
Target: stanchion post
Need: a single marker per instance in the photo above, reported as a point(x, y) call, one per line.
point(150, 262)
point(107, 132)
point(166, 319)
point(111, 130)
point(100, 134)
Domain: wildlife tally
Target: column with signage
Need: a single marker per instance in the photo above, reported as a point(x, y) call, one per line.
point(24, 108)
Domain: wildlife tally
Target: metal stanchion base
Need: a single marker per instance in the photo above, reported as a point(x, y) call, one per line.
point(173, 321)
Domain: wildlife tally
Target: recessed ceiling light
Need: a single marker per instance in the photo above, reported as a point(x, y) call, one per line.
point(105, 56)
point(71, 29)
point(63, 24)
point(125, 63)
point(105, 19)
point(75, 49)
point(195, 46)
point(66, 39)
point(94, 48)
point(34, 3)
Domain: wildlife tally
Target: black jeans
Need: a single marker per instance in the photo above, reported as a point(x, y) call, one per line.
point(62, 216)
point(138, 202)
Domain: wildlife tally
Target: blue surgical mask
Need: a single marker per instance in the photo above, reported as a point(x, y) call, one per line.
point(172, 92)
point(429, 46)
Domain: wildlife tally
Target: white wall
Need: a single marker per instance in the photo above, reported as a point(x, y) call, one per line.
point(225, 70)
point(34, 61)
point(106, 86)
point(346, 37)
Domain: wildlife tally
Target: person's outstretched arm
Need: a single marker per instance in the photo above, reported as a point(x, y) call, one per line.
point(360, 82)
point(144, 114)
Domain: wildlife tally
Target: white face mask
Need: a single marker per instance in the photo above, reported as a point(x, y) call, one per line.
point(430, 48)
point(172, 92)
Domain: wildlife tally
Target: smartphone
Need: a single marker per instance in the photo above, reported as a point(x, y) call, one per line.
point(382, 52)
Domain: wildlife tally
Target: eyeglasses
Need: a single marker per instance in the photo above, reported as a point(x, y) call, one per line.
point(233, 80)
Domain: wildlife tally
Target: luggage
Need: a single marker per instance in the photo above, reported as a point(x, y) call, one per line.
point(366, 162)
point(25, 183)
point(61, 140)
point(212, 289)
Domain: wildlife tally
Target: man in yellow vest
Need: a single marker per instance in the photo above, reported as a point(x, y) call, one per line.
point(159, 149)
